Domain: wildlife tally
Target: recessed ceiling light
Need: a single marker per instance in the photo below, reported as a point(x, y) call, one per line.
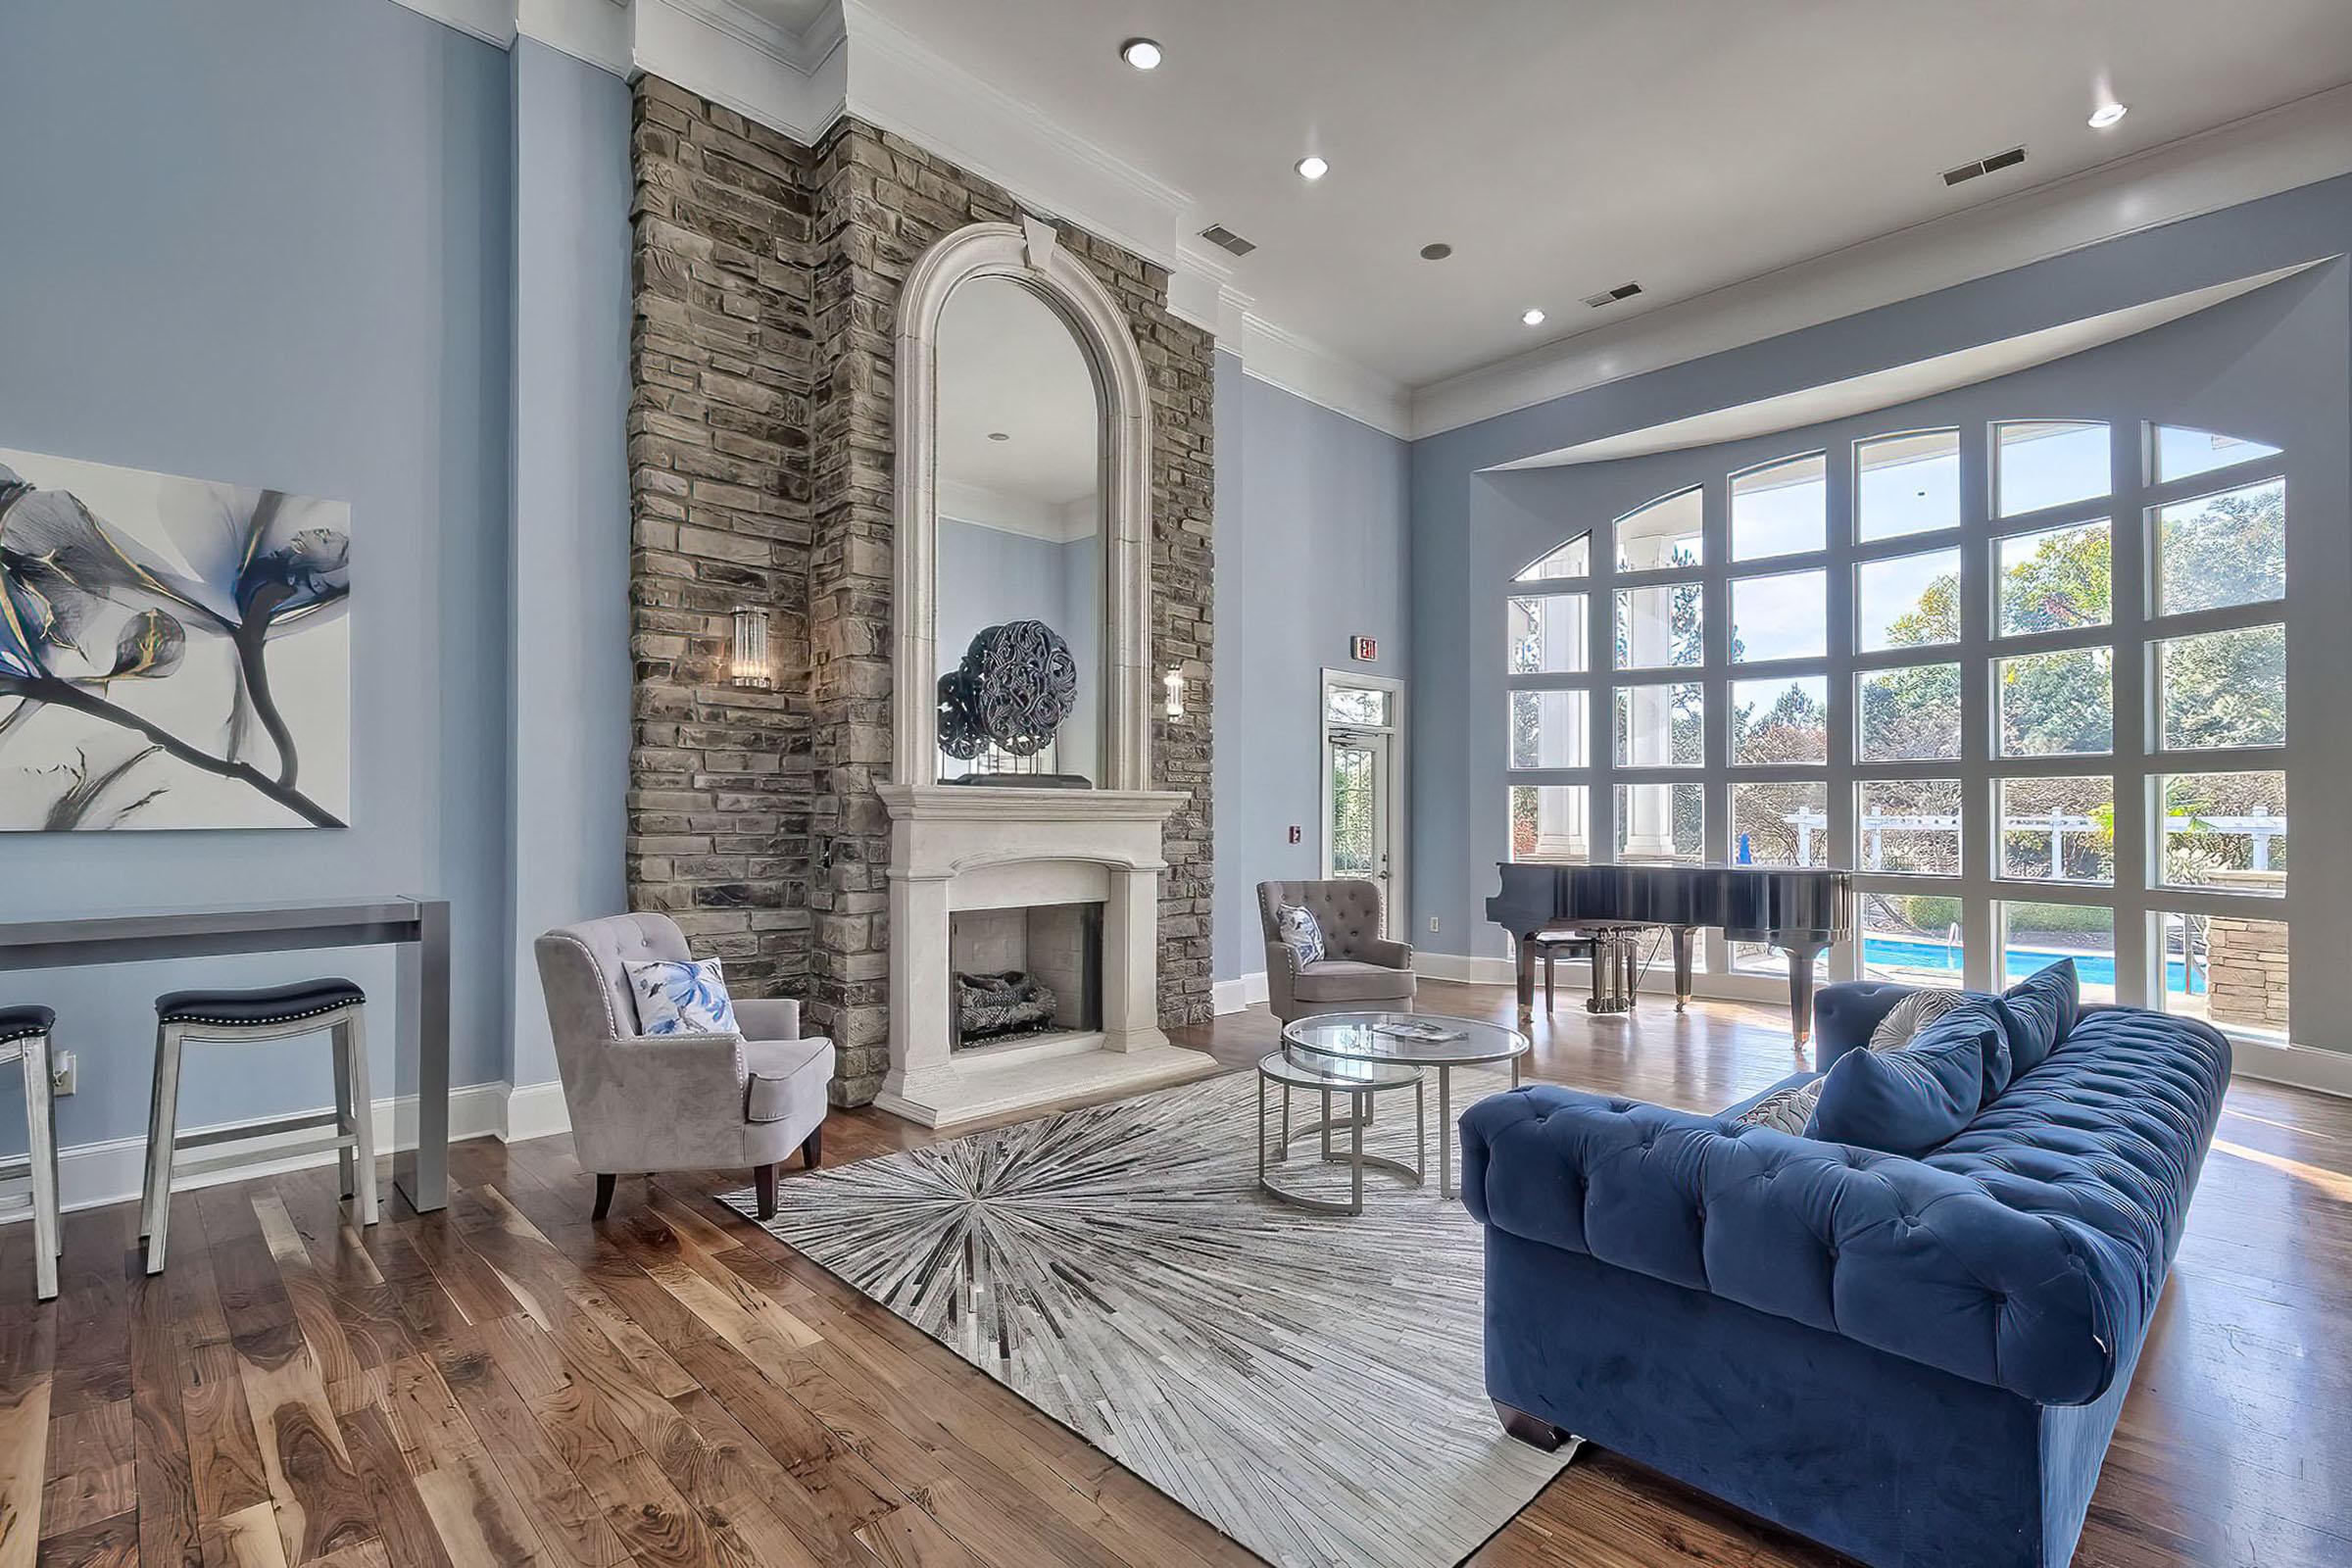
point(1312, 168)
point(1141, 53)
point(2107, 114)
point(999, 435)
point(1436, 253)
point(1532, 317)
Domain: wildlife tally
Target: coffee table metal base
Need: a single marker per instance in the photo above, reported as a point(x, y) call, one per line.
point(1359, 1118)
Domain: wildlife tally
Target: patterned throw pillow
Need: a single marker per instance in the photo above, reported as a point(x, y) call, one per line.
point(1786, 1111)
point(1301, 932)
point(1912, 1014)
point(681, 997)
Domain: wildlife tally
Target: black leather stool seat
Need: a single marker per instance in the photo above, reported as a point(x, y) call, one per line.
point(276, 1004)
point(23, 1023)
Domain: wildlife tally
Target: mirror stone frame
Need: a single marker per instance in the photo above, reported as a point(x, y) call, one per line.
point(1030, 255)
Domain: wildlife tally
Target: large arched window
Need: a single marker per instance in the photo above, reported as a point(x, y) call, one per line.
point(2027, 676)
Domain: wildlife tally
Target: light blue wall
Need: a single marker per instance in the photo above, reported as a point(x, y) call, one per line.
point(568, 659)
point(1310, 550)
point(1466, 522)
point(268, 241)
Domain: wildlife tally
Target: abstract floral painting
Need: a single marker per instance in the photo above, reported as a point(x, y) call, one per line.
point(174, 653)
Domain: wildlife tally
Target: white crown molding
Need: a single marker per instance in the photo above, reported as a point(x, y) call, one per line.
point(1307, 369)
point(797, 83)
point(491, 21)
point(2294, 145)
point(600, 32)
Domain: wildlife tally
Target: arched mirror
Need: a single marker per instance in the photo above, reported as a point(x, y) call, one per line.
point(1019, 566)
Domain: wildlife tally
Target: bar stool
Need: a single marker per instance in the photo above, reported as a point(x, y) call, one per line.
point(243, 1017)
point(24, 1038)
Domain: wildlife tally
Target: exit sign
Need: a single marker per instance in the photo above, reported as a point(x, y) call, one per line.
point(1364, 650)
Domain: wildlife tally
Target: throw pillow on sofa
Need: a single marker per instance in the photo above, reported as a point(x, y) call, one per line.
point(1301, 932)
point(681, 997)
point(1913, 1013)
point(1915, 1098)
point(1786, 1111)
point(2040, 1011)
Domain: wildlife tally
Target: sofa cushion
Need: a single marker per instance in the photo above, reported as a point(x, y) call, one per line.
point(1911, 1099)
point(2040, 1010)
point(1346, 980)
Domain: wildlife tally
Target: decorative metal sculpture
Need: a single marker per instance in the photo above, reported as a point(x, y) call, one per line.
point(1017, 684)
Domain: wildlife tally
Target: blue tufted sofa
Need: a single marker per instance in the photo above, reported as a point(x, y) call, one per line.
point(1916, 1362)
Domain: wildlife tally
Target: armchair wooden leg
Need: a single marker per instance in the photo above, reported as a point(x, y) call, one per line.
point(603, 1197)
point(813, 1149)
point(764, 1177)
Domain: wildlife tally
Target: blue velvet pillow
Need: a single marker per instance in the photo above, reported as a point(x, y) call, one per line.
point(2040, 1011)
point(1915, 1098)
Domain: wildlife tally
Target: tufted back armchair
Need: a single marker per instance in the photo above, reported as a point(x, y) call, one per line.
point(1362, 970)
point(655, 1103)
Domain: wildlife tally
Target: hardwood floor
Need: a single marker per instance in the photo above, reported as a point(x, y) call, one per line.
point(508, 1383)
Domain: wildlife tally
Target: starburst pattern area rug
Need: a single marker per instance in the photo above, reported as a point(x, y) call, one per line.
point(1309, 1384)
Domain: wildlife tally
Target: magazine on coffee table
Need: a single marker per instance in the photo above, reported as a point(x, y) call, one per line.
point(1419, 1031)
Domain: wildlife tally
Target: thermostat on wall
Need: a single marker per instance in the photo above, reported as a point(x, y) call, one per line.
point(1364, 650)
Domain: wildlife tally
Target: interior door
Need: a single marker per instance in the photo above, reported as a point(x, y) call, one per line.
point(1356, 810)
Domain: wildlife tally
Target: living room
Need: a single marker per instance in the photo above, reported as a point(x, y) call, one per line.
point(982, 636)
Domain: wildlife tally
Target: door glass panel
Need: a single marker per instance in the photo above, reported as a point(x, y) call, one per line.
point(1907, 601)
point(1661, 725)
point(1546, 634)
point(1784, 615)
point(2229, 549)
point(1908, 713)
point(2223, 832)
point(2225, 688)
point(2055, 579)
point(1667, 532)
point(1784, 721)
point(1549, 729)
point(1367, 705)
point(2228, 969)
point(1908, 483)
point(2049, 462)
point(2055, 705)
point(1550, 821)
point(1355, 812)
point(1780, 508)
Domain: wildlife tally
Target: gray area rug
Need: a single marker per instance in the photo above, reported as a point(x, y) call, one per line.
point(1309, 1384)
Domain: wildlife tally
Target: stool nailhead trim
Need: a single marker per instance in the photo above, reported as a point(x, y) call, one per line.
point(263, 1023)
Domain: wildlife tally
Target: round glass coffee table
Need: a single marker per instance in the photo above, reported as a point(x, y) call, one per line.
point(1356, 1082)
point(1408, 1039)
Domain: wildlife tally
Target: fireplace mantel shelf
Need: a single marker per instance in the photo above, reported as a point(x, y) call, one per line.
point(979, 802)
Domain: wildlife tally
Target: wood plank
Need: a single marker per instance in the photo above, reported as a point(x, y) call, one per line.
point(320, 1506)
point(225, 1455)
point(162, 1470)
point(314, 1305)
point(407, 1528)
point(93, 1471)
point(572, 1532)
point(245, 1539)
point(24, 1456)
point(102, 1543)
point(475, 1514)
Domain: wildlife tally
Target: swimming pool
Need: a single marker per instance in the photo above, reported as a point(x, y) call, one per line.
point(2091, 968)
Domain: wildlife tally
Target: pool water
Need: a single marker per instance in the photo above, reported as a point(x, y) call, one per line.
point(2091, 968)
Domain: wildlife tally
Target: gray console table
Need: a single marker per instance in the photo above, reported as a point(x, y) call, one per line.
point(417, 927)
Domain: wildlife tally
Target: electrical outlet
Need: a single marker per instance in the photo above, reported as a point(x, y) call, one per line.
point(1432, 924)
point(64, 1073)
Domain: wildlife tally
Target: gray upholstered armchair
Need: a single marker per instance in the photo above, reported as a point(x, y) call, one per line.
point(1362, 970)
point(674, 1102)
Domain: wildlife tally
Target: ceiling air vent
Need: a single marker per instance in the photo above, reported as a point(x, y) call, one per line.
point(1225, 239)
point(1623, 291)
point(1985, 165)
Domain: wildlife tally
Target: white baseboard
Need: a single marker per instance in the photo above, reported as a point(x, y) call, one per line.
point(1462, 968)
point(112, 1171)
point(2298, 1067)
point(1237, 995)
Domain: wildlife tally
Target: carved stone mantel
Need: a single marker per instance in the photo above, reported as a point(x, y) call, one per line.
point(955, 847)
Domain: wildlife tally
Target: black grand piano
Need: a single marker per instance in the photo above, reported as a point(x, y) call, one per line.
point(1605, 909)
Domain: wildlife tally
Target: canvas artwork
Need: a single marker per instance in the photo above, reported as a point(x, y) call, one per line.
point(174, 653)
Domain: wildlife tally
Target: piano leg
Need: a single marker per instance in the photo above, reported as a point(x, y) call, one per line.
point(1604, 971)
point(1549, 966)
point(1800, 990)
point(1527, 978)
point(1683, 936)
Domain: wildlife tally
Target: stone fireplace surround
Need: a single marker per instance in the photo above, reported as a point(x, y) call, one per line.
point(761, 444)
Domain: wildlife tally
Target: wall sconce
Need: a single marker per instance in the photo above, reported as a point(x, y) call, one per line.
point(750, 667)
point(1174, 680)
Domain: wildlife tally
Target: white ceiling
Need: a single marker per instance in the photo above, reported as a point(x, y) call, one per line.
point(794, 16)
point(1563, 149)
point(1007, 365)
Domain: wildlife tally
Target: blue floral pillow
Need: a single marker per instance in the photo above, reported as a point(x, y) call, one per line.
point(1301, 932)
point(681, 997)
